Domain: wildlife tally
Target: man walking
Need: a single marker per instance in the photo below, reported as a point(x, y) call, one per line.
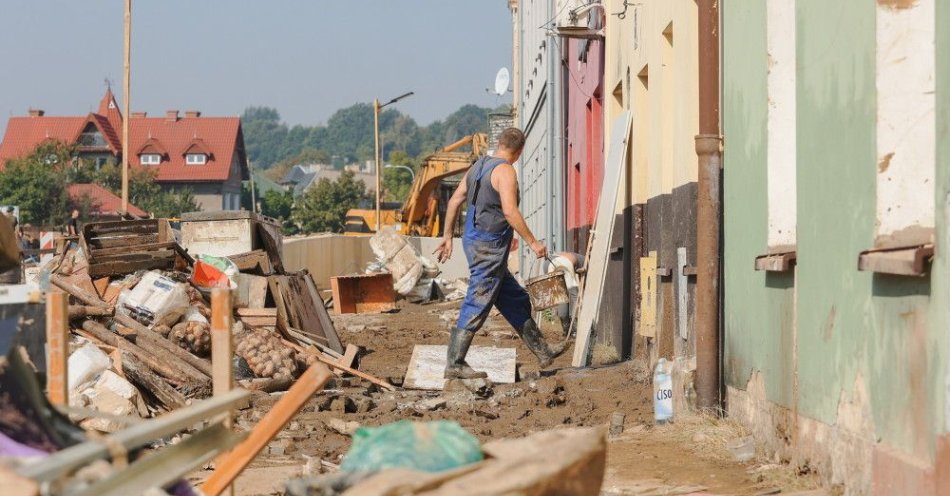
point(490, 192)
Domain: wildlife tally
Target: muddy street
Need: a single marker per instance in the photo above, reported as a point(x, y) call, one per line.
point(689, 456)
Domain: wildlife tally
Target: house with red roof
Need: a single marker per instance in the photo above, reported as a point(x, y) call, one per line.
point(102, 203)
point(205, 154)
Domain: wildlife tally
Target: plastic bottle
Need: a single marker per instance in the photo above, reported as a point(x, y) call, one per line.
point(662, 392)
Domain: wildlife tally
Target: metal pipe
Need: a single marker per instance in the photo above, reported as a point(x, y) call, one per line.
point(708, 211)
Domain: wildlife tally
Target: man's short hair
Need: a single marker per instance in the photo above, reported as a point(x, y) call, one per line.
point(511, 139)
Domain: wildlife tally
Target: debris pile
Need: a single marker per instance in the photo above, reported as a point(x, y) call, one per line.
point(141, 314)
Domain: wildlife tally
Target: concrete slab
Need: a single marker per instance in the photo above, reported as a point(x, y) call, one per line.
point(427, 365)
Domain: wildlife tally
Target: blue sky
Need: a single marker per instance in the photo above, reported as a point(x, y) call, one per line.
point(306, 58)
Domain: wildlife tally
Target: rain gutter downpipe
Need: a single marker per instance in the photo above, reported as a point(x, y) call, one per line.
point(708, 212)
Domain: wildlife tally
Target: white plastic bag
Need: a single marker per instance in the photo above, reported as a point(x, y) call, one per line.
point(154, 298)
point(85, 364)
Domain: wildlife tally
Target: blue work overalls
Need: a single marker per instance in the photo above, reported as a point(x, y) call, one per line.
point(490, 283)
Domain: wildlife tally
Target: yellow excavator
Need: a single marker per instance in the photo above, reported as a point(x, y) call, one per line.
point(424, 209)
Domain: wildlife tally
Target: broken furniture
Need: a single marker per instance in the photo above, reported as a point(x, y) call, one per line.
point(123, 247)
point(363, 293)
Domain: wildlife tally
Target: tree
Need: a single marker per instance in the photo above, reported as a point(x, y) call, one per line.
point(37, 184)
point(397, 182)
point(323, 207)
point(264, 135)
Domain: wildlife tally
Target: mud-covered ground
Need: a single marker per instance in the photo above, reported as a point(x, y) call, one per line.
point(645, 459)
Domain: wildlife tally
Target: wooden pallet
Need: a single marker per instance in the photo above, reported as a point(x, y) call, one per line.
point(123, 247)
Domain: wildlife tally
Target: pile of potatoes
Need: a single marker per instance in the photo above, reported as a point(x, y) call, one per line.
point(266, 355)
point(192, 336)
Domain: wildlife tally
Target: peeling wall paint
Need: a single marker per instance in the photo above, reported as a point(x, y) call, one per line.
point(906, 125)
point(828, 345)
point(780, 39)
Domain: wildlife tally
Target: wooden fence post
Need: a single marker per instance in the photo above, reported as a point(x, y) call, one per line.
point(57, 348)
point(222, 348)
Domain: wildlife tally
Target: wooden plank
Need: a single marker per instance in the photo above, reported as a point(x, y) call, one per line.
point(256, 312)
point(271, 247)
point(133, 254)
point(253, 261)
point(308, 312)
point(602, 234)
point(122, 267)
point(77, 292)
point(57, 347)
point(147, 247)
point(81, 311)
point(222, 346)
point(230, 465)
point(334, 363)
point(95, 243)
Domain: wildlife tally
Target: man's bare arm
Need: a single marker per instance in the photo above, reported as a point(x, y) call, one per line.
point(444, 250)
point(506, 183)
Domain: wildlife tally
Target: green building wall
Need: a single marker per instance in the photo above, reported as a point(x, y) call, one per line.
point(817, 333)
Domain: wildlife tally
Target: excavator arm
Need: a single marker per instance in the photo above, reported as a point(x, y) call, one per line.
point(420, 214)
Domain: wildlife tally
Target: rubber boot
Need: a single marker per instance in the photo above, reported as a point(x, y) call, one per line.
point(455, 367)
point(535, 342)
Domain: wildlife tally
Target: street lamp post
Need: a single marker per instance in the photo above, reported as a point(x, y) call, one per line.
point(376, 108)
point(406, 167)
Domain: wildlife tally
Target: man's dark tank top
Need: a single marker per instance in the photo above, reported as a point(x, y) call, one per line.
point(484, 199)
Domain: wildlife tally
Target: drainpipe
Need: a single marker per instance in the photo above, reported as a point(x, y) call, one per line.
point(708, 210)
point(516, 57)
point(554, 142)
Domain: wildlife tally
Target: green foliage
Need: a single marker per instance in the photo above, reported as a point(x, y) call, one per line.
point(323, 207)
point(276, 204)
point(397, 182)
point(349, 134)
point(37, 184)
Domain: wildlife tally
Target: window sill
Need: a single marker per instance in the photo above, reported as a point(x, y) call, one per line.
point(777, 262)
point(903, 261)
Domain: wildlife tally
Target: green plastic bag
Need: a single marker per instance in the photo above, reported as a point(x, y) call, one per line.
point(426, 446)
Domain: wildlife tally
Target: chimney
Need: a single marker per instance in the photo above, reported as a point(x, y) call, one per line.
point(171, 116)
point(139, 115)
point(36, 112)
point(192, 114)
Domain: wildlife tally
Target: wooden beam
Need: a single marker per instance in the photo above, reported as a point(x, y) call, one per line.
point(77, 292)
point(334, 363)
point(222, 346)
point(157, 359)
point(126, 102)
point(140, 374)
point(232, 464)
point(57, 345)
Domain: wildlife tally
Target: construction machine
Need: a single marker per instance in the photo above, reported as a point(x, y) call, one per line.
point(424, 209)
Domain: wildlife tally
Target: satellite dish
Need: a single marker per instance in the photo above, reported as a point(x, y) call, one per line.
point(501, 81)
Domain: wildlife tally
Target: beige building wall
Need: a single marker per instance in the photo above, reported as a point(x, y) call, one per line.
point(651, 69)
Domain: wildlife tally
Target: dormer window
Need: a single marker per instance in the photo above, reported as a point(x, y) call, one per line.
point(150, 159)
point(196, 158)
